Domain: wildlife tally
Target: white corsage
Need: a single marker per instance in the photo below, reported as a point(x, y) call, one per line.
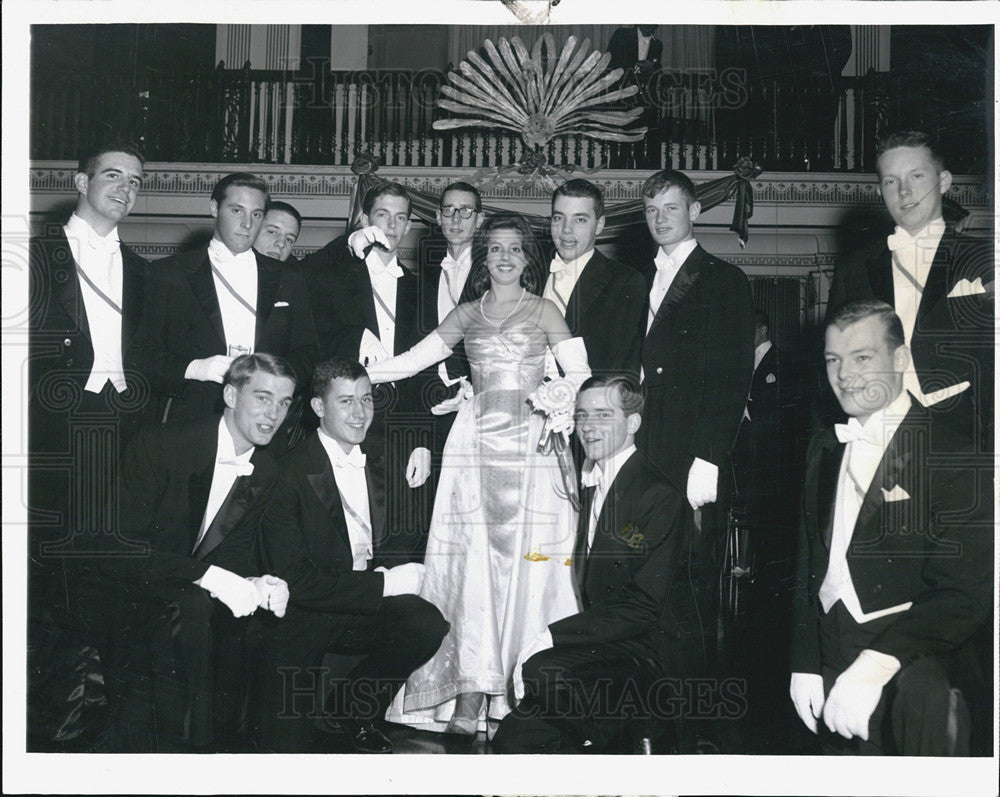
point(556, 399)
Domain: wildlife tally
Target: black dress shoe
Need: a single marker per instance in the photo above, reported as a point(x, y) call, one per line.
point(330, 725)
point(366, 738)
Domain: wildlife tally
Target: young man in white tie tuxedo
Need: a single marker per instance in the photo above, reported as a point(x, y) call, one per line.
point(636, 633)
point(894, 567)
point(352, 580)
point(602, 301)
point(218, 302)
point(697, 359)
point(182, 571)
point(940, 283)
point(86, 396)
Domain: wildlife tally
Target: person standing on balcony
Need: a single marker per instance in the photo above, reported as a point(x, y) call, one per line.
point(697, 359)
point(215, 303)
point(367, 308)
point(940, 283)
point(602, 301)
point(86, 300)
point(279, 232)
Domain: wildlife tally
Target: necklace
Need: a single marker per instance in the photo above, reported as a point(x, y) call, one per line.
point(500, 323)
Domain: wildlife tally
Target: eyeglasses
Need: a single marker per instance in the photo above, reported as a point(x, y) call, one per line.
point(464, 211)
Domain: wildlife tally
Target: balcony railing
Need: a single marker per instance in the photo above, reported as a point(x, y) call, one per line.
point(320, 117)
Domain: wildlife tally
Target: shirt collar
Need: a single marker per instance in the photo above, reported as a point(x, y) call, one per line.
point(594, 473)
point(376, 267)
point(80, 228)
point(220, 255)
point(337, 456)
point(676, 258)
point(226, 448)
point(883, 424)
point(574, 266)
point(932, 231)
point(463, 263)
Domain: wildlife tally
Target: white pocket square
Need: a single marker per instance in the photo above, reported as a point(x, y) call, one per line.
point(897, 493)
point(966, 288)
point(281, 304)
point(770, 379)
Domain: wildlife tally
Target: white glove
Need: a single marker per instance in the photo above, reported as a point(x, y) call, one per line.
point(359, 240)
point(464, 393)
point(273, 593)
point(542, 641)
point(211, 369)
point(572, 357)
point(429, 351)
point(856, 693)
point(703, 483)
point(371, 349)
point(402, 579)
point(418, 468)
point(806, 690)
point(238, 593)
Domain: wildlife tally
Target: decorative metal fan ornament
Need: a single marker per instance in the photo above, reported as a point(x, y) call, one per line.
point(540, 96)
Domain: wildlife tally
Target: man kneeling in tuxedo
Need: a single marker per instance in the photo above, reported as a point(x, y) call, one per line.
point(894, 562)
point(637, 626)
point(352, 590)
point(192, 497)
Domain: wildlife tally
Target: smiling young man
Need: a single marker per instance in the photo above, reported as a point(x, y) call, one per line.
point(218, 302)
point(602, 301)
point(353, 587)
point(278, 232)
point(183, 571)
point(636, 626)
point(697, 360)
point(939, 282)
point(894, 562)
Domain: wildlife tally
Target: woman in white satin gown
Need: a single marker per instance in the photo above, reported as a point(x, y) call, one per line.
point(498, 561)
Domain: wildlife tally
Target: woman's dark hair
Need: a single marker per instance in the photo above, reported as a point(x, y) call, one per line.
point(532, 278)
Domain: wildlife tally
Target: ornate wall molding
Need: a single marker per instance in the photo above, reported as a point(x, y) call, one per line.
point(778, 189)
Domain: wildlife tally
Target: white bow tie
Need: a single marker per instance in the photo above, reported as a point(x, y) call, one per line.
point(854, 432)
point(663, 260)
point(378, 268)
point(98, 243)
point(242, 468)
point(900, 239)
point(449, 263)
point(592, 476)
point(558, 265)
point(355, 459)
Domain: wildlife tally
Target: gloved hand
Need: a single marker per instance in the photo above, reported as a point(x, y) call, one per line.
point(210, 369)
point(703, 483)
point(542, 641)
point(806, 690)
point(273, 593)
point(856, 693)
point(359, 240)
point(427, 352)
point(402, 579)
point(465, 392)
point(238, 593)
point(418, 467)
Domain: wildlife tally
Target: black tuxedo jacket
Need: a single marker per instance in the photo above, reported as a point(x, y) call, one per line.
point(61, 356)
point(697, 358)
point(305, 539)
point(634, 583)
point(952, 338)
point(608, 310)
point(184, 323)
point(166, 477)
point(934, 548)
point(624, 48)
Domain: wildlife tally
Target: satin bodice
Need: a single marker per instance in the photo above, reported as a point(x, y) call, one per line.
point(508, 358)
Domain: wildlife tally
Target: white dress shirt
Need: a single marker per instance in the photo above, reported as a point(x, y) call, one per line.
point(451, 283)
point(100, 258)
point(559, 288)
point(349, 473)
point(912, 258)
point(860, 462)
point(601, 478)
point(383, 277)
point(240, 271)
point(228, 467)
point(643, 41)
point(667, 267)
